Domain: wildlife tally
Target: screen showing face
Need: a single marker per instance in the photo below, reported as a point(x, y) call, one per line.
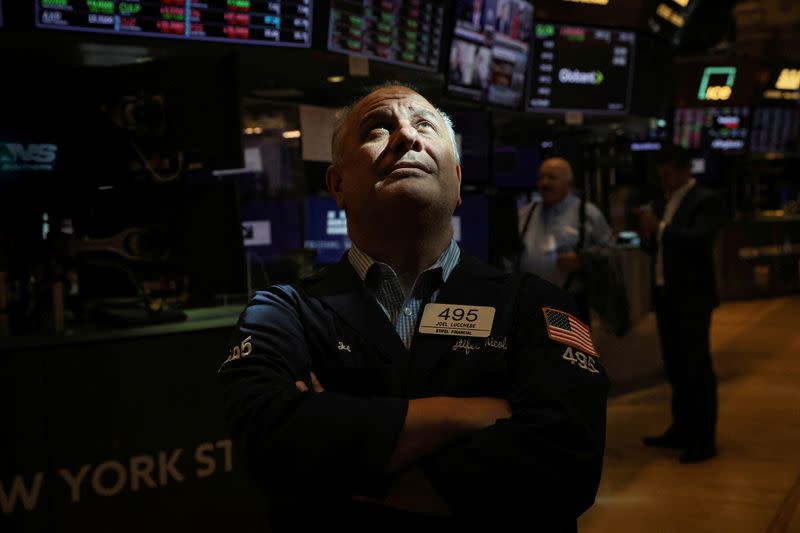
point(273, 22)
point(271, 227)
point(775, 129)
point(723, 129)
point(490, 50)
point(325, 229)
point(471, 226)
point(404, 32)
point(580, 68)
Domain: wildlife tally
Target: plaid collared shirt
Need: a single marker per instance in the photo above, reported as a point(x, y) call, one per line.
point(384, 284)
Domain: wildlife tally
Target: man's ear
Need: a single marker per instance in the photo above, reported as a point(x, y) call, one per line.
point(333, 179)
point(458, 178)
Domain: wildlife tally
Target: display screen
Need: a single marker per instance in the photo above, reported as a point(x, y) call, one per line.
point(471, 226)
point(278, 22)
point(516, 167)
point(270, 228)
point(721, 129)
point(325, 229)
point(490, 50)
point(405, 32)
point(473, 135)
point(775, 129)
point(580, 68)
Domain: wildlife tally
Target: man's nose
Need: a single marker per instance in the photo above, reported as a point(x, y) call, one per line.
point(406, 139)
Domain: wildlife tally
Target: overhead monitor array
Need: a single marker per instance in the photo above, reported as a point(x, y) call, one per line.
point(403, 32)
point(272, 22)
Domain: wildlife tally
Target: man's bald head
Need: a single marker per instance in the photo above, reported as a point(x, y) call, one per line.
point(555, 180)
point(343, 116)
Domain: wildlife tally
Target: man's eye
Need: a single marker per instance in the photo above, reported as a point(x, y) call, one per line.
point(424, 124)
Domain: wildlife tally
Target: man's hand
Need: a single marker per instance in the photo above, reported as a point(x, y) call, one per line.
point(568, 262)
point(648, 221)
point(315, 384)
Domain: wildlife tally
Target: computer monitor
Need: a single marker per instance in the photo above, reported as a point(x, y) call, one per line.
point(489, 51)
point(580, 68)
point(275, 23)
point(516, 167)
point(270, 228)
point(720, 129)
point(775, 129)
point(325, 229)
point(471, 225)
point(473, 134)
point(402, 32)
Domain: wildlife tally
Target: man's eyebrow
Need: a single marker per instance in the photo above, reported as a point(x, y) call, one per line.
point(426, 114)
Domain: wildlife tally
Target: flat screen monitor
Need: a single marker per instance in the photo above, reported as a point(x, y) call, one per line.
point(516, 167)
point(325, 229)
point(473, 135)
point(270, 228)
point(775, 129)
point(490, 50)
point(273, 22)
point(403, 32)
point(722, 129)
point(471, 225)
point(580, 68)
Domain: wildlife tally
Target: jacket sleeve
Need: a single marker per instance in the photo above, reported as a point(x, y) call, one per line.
point(708, 220)
point(541, 466)
point(323, 442)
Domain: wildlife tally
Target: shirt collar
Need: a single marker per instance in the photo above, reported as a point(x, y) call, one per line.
point(363, 263)
point(561, 206)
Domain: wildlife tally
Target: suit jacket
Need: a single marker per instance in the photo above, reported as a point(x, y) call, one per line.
point(313, 452)
point(688, 248)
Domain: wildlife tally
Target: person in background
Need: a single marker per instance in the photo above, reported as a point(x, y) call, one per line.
point(550, 231)
point(680, 231)
point(411, 387)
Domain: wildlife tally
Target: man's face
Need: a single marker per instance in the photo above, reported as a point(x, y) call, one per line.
point(397, 158)
point(554, 181)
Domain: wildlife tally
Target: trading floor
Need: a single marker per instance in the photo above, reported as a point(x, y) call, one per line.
point(754, 483)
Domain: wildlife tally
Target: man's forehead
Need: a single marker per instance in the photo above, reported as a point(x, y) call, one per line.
point(392, 96)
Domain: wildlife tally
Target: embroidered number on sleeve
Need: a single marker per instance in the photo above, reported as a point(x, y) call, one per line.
point(243, 350)
point(581, 359)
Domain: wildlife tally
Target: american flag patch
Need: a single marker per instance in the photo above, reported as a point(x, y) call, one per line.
point(566, 329)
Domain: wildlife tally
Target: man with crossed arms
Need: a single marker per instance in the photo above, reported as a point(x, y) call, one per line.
point(410, 385)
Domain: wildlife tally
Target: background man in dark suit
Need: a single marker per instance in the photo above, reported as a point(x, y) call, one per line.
point(680, 230)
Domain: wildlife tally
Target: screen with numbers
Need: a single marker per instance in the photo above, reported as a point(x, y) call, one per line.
point(404, 32)
point(581, 69)
point(277, 23)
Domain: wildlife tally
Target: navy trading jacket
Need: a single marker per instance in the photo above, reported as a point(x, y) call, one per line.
point(536, 471)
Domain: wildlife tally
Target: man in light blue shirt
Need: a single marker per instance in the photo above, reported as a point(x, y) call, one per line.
point(550, 230)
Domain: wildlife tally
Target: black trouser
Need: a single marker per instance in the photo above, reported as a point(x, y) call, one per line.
point(684, 333)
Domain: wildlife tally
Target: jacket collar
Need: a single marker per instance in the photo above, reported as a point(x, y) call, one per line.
point(339, 287)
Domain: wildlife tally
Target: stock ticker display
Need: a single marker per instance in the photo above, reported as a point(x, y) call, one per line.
point(404, 32)
point(277, 23)
point(581, 68)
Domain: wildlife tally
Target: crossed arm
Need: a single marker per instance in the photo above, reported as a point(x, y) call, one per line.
point(547, 436)
point(430, 424)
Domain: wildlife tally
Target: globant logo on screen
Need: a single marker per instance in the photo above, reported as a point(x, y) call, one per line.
point(577, 77)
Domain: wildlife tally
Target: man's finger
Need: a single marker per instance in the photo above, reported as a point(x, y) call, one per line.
point(316, 384)
point(301, 386)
